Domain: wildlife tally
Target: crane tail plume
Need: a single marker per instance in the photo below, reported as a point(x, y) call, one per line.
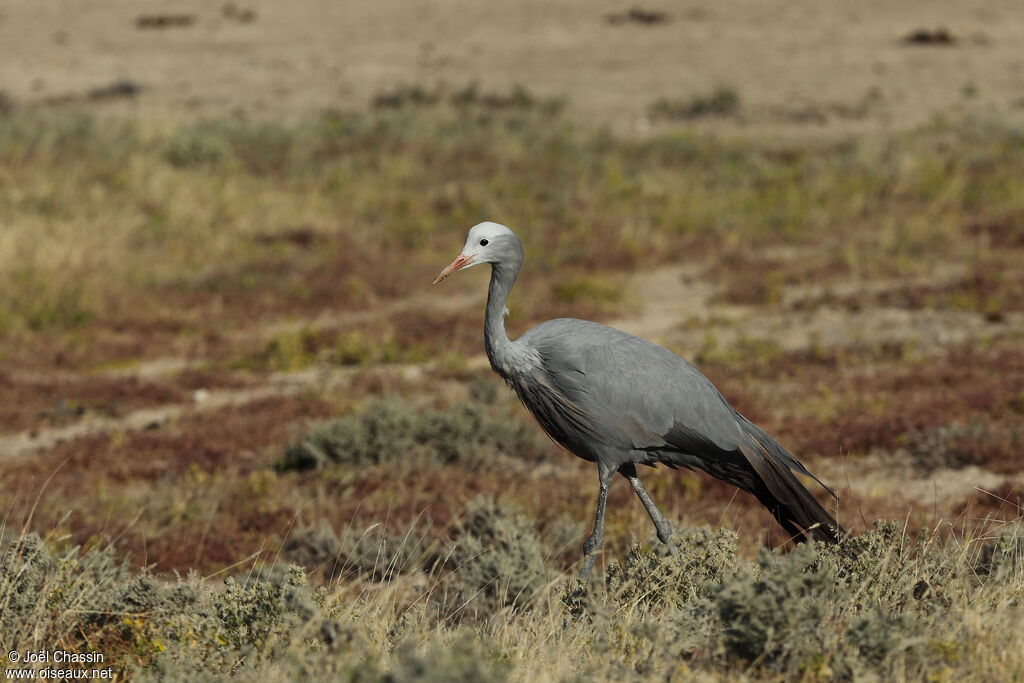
point(789, 501)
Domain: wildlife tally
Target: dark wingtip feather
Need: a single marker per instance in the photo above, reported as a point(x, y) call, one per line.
point(776, 450)
point(789, 501)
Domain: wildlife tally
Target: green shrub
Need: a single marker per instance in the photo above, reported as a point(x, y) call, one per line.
point(65, 137)
point(722, 101)
point(496, 562)
point(395, 431)
point(45, 595)
point(1002, 558)
point(461, 661)
point(197, 145)
point(260, 148)
point(779, 615)
point(872, 605)
point(878, 606)
point(484, 391)
point(372, 553)
point(957, 444)
point(257, 627)
point(701, 558)
point(249, 613)
point(342, 656)
point(471, 96)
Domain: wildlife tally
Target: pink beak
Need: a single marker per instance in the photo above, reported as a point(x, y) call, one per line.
point(459, 263)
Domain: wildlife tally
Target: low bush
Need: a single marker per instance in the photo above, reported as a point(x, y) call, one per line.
point(496, 562)
point(372, 553)
point(886, 605)
point(722, 101)
point(396, 431)
point(657, 575)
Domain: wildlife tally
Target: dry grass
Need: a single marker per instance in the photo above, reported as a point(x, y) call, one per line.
point(216, 226)
point(489, 607)
point(249, 253)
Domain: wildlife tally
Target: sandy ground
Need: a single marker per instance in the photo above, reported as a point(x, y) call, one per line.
point(803, 67)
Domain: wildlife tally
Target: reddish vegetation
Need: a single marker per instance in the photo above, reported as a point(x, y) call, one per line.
point(288, 278)
point(751, 279)
point(213, 500)
point(966, 383)
point(1003, 503)
point(35, 402)
point(986, 288)
point(136, 339)
point(207, 378)
point(1000, 232)
point(186, 319)
point(991, 289)
point(888, 399)
point(38, 402)
point(180, 463)
point(205, 496)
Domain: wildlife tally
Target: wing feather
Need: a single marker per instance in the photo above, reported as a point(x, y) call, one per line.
point(596, 382)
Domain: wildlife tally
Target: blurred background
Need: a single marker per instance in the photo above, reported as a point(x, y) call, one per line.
point(219, 222)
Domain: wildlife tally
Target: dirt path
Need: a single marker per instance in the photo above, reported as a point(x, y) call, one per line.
point(674, 305)
point(277, 384)
point(663, 299)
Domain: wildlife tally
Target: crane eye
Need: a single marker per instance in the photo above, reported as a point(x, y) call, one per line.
point(483, 243)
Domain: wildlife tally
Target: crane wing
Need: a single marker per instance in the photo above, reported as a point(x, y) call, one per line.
point(638, 396)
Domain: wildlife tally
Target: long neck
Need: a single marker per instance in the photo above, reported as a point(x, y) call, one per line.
point(500, 350)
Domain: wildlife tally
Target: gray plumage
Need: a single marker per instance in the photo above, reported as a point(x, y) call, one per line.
point(618, 400)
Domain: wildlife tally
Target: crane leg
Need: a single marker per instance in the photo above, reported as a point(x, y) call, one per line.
point(662, 525)
point(596, 538)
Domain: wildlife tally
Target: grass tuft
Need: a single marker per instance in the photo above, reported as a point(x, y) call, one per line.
point(721, 102)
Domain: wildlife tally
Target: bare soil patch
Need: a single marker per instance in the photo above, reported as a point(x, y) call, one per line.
point(612, 62)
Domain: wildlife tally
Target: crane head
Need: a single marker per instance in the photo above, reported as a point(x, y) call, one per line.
point(486, 242)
